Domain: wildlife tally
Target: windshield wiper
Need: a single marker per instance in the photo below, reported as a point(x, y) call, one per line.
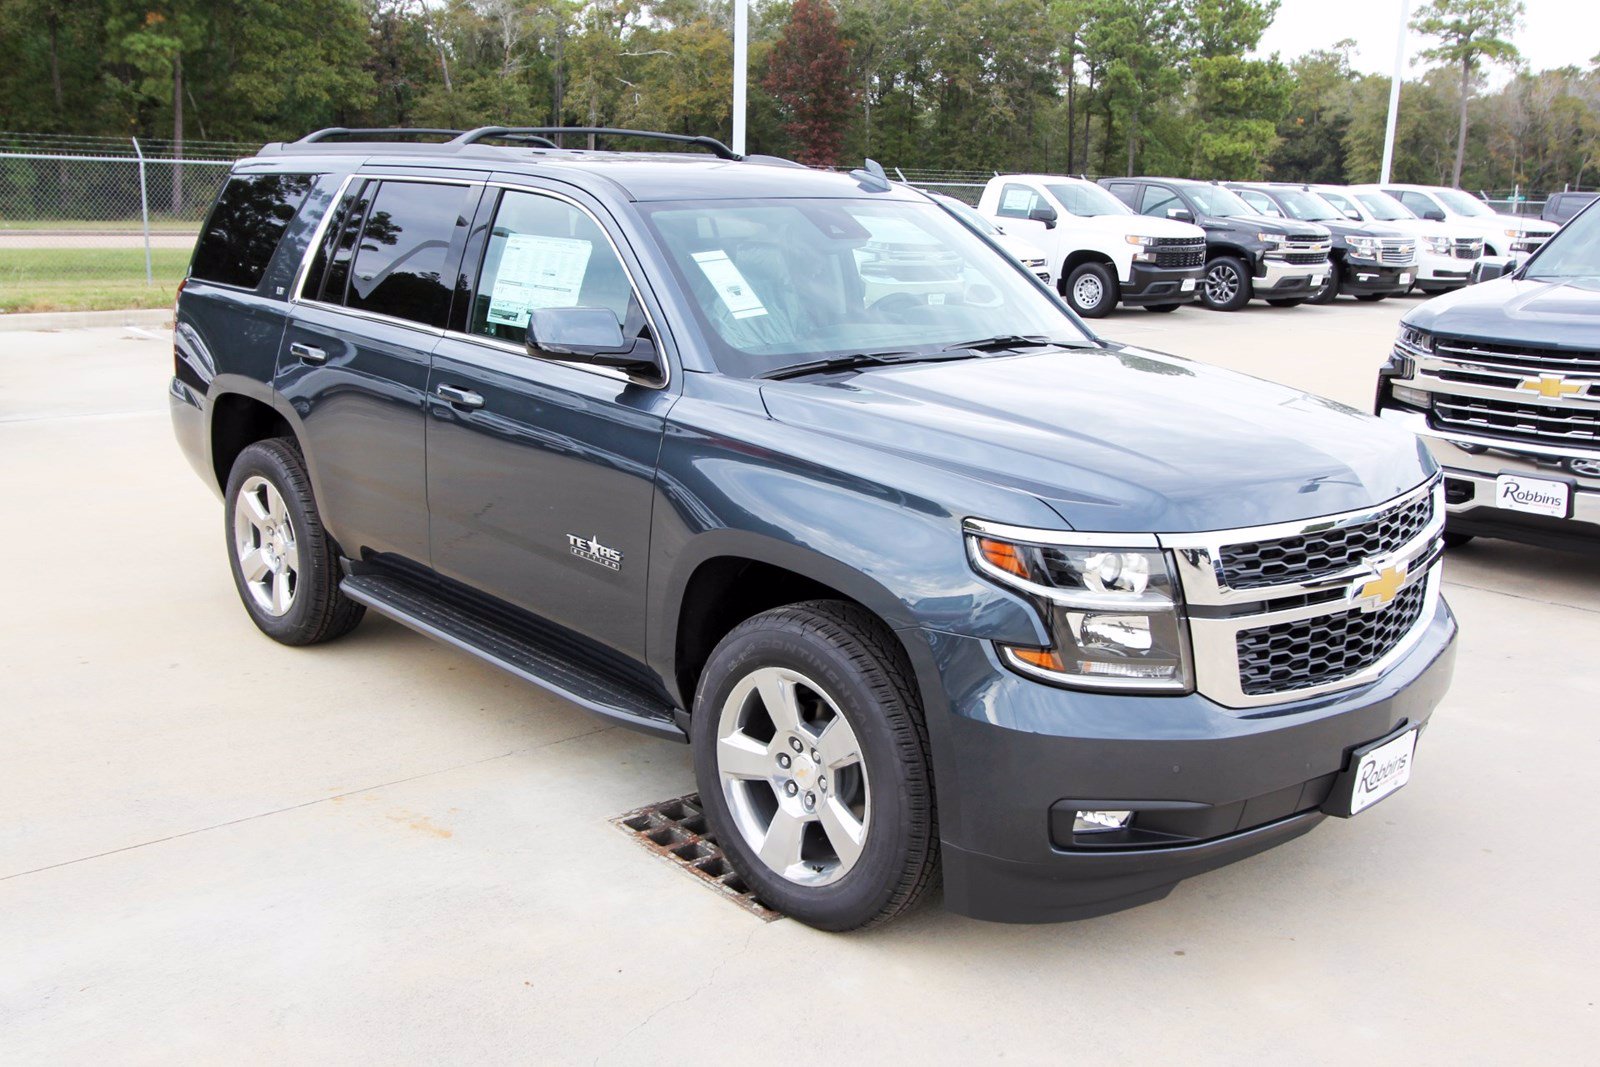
point(1004, 341)
point(857, 360)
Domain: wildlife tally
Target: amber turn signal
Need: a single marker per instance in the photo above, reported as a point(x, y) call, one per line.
point(1045, 659)
point(1003, 555)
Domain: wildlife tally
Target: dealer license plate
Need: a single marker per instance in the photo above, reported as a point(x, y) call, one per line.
point(1537, 496)
point(1187, 286)
point(1382, 771)
point(1405, 279)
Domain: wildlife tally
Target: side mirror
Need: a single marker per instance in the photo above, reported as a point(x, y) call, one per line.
point(591, 336)
point(1180, 214)
point(1043, 213)
point(1487, 270)
point(1433, 214)
point(1353, 215)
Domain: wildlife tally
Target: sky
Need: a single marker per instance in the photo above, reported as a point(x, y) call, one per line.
point(1554, 33)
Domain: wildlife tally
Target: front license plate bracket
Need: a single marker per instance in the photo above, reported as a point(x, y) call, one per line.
point(1344, 800)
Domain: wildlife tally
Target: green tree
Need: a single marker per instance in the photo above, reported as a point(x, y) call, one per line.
point(1470, 33)
point(1311, 134)
point(1240, 103)
point(1140, 47)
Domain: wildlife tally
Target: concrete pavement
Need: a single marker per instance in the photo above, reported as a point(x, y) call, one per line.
point(215, 848)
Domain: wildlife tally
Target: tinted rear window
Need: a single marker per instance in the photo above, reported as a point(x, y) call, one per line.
point(404, 252)
point(246, 225)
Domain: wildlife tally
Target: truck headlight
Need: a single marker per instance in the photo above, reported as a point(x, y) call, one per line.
point(1411, 337)
point(1271, 238)
point(1439, 246)
point(1114, 613)
point(1363, 248)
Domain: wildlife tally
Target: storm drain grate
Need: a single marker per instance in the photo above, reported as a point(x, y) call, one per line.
point(676, 830)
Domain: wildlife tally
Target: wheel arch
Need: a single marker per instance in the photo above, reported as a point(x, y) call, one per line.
point(238, 419)
point(1079, 256)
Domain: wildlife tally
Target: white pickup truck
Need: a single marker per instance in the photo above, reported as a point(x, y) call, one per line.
point(1102, 253)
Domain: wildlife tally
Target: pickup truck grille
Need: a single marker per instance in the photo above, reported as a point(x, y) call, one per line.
point(1517, 359)
point(1181, 257)
point(1305, 258)
point(1493, 390)
point(1258, 564)
point(1287, 656)
point(1549, 423)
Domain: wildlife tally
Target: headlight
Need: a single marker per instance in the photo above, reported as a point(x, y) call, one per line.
point(1515, 233)
point(1437, 245)
point(1139, 239)
point(1271, 238)
point(1113, 613)
point(1421, 340)
point(1364, 246)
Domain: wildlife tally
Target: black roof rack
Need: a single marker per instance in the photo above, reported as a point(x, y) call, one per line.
point(542, 134)
point(371, 133)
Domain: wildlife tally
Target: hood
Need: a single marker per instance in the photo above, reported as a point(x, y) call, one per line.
point(1292, 228)
point(1527, 225)
point(1135, 224)
point(1118, 439)
point(1347, 228)
point(1558, 314)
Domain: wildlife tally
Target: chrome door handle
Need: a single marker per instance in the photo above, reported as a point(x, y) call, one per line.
point(461, 398)
point(308, 353)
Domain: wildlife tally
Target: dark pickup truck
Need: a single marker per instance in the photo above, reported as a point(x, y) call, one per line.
point(1281, 261)
point(1370, 261)
point(1502, 380)
point(801, 469)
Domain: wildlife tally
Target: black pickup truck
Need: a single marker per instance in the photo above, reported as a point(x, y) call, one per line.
point(800, 469)
point(1370, 261)
point(1282, 261)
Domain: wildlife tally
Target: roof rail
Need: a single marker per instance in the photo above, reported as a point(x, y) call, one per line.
point(543, 133)
point(371, 133)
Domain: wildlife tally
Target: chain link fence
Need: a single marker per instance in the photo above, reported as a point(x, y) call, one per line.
point(92, 223)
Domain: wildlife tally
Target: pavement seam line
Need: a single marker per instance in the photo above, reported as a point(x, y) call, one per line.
point(306, 804)
point(1519, 596)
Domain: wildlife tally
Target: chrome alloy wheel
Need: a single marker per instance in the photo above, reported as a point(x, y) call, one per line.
point(264, 543)
point(1222, 284)
point(793, 776)
point(1088, 291)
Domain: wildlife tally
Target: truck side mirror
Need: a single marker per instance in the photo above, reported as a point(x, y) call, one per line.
point(1180, 214)
point(591, 336)
point(1043, 213)
point(1433, 214)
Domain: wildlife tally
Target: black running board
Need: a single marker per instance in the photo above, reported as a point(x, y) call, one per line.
point(437, 617)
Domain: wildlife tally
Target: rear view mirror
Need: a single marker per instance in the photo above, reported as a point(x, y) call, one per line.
point(588, 335)
point(1043, 213)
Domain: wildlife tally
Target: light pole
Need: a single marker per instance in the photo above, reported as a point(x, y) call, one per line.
point(1394, 91)
point(741, 57)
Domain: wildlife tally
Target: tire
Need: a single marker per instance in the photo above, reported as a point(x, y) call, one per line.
point(1287, 301)
point(1330, 288)
point(824, 663)
point(1086, 280)
point(1371, 298)
point(1226, 284)
point(1162, 308)
point(1456, 540)
point(284, 565)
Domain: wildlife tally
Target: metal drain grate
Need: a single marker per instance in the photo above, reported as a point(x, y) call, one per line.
point(676, 830)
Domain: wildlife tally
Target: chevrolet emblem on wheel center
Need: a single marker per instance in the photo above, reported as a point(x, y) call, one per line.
point(894, 514)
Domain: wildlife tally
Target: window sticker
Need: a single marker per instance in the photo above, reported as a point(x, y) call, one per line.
point(736, 294)
point(537, 272)
point(1018, 200)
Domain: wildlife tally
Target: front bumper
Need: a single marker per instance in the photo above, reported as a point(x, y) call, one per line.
point(1367, 277)
point(1275, 278)
point(1208, 784)
point(1437, 272)
point(1161, 285)
point(1471, 465)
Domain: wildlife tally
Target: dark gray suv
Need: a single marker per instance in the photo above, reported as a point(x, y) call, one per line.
point(798, 468)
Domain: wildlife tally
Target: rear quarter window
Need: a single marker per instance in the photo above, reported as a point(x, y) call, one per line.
point(245, 226)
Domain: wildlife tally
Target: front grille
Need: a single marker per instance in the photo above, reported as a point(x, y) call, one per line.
point(1468, 248)
point(1305, 258)
point(1517, 358)
point(1287, 656)
point(1258, 564)
point(1548, 423)
point(1180, 257)
point(1180, 242)
point(1397, 251)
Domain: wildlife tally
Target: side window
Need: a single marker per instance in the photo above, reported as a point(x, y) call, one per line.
point(1017, 200)
point(1127, 192)
point(245, 226)
point(1260, 201)
point(1417, 202)
point(545, 253)
point(402, 259)
point(1157, 200)
point(348, 212)
point(1340, 202)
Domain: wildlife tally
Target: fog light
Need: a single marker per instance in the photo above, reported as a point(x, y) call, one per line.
point(1096, 822)
point(1418, 398)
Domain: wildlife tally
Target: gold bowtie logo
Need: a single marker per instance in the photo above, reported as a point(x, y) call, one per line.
point(1550, 386)
point(1382, 589)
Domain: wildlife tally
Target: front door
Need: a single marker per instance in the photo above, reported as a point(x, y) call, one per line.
point(541, 474)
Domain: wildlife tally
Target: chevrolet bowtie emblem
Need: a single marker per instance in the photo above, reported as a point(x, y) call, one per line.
point(1378, 592)
point(1550, 386)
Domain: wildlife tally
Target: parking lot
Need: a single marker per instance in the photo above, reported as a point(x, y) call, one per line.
point(216, 848)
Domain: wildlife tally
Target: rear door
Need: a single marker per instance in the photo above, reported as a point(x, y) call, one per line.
point(541, 475)
point(354, 363)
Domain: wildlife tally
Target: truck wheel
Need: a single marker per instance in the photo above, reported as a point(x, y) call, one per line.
point(283, 563)
point(1091, 289)
point(1163, 308)
point(1287, 301)
point(1226, 286)
point(812, 759)
point(1370, 298)
point(1330, 287)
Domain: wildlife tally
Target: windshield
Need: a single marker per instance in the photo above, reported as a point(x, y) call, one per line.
point(1574, 252)
point(776, 283)
point(1224, 203)
point(1463, 203)
point(969, 215)
point(1307, 207)
point(1385, 208)
point(1087, 200)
